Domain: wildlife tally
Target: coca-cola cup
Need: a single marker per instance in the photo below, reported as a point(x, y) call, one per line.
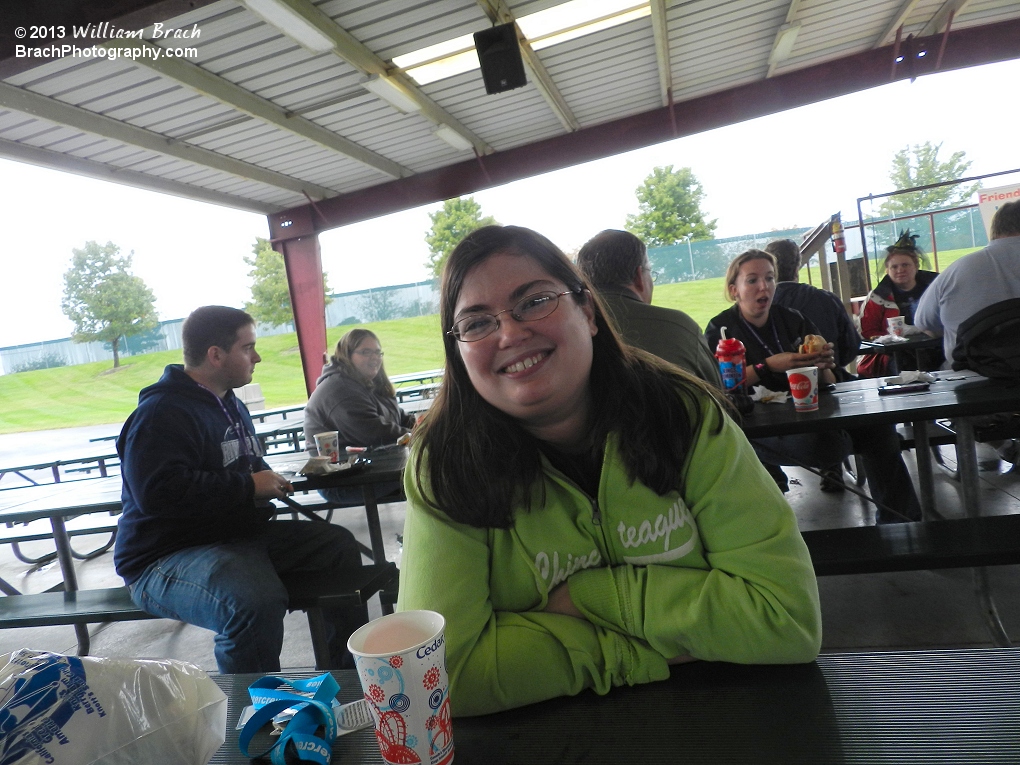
point(804, 388)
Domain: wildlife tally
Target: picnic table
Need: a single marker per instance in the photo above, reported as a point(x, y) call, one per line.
point(956, 395)
point(282, 435)
point(914, 345)
point(910, 707)
point(38, 472)
point(59, 502)
point(428, 375)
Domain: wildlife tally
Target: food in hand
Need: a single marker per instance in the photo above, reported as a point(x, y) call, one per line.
point(812, 344)
point(404, 440)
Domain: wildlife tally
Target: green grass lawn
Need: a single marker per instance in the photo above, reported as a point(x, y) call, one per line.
point(96, 394)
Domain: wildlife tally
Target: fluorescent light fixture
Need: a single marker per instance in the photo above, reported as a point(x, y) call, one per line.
point(579, 17)
point(435, 52)
point(452, 137)
point(392, 93)
point(786, 38)
point(538, 43)
point(560, 23)
point(279, 14)
point(456, 64)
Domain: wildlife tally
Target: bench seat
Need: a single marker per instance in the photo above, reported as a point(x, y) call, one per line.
point(114, 604)
point(958, 543)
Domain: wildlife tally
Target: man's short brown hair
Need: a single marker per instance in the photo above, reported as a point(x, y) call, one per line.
point(610, 258)
point(787, 255)
point(1006, 221)
point(208, 326)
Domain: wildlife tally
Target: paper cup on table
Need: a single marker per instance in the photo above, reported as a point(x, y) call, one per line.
point(895, 324)
point(401, 662)
point(804, 388)
point(328, 445)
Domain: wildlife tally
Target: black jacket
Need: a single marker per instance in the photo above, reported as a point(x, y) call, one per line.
point(187, 474)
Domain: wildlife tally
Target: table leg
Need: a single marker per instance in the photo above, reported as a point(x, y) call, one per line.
point(925, 479)
point(374, 525)
point(991, 614)
point(63, 544)
point(966, 458)
point(375, 532)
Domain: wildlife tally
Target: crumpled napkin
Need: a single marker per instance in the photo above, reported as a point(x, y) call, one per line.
point(911, 330)
point(889, 339)
point(910, 377)
point(766, 396)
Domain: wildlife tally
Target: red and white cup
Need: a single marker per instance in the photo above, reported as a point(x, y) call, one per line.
point(401, 662)
point(327, 444)
point(895, 325)
point(804, 388)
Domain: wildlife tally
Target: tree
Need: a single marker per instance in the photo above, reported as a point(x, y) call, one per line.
point(457, 218)
point(670, 209)
point(104, 300)
point(381, 305)
point(270, 293)
point(919, 165)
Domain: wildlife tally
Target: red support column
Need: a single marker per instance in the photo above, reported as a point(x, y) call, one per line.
point(303, 261)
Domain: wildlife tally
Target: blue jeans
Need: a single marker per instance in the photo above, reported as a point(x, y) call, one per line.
point(879, 447)
point(234, 589)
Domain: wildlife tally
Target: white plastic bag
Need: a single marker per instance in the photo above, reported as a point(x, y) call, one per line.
point(70, 710)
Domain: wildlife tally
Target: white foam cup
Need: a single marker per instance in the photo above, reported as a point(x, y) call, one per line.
point(804, 388)
point(895, 324)
point(328, 445)
point(401, 662)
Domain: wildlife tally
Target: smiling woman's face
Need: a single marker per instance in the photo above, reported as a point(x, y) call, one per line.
point(535, 371)
point(753, 290)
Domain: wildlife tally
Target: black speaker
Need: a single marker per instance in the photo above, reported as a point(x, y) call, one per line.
point(500, 58)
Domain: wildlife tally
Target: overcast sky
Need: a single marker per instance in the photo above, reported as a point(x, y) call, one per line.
point(785, 170)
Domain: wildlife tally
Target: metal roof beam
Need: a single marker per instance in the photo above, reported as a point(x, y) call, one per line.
point(897, 21)
point(939, 21)
point(784, 28)
point(227, 93)
point(55, 160)
point(362, 58)
point(35, 105)
point(662, 55)
point(499, 13)
point(969, 47)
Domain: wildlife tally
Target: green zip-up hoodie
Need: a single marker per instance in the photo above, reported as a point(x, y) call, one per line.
point(720, 574)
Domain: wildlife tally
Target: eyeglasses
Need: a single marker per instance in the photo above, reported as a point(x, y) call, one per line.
point(653, 274)
point(474, 327)
point(370, 354)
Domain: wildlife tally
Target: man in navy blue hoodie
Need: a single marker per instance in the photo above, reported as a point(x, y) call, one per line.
point(196, 541)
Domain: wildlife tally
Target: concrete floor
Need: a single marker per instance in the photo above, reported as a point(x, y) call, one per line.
point(860, 613)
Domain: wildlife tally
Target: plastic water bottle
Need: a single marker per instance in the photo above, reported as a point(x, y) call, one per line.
point(730, 354)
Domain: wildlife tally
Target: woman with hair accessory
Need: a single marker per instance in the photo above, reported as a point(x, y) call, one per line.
point(773, 337)
point(897, 294)
point(354, 396)
point(582, 513)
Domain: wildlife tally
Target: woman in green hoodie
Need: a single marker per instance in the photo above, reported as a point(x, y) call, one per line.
point(581, 513)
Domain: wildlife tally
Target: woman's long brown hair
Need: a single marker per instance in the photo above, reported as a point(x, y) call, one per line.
point(478, 465)
point(346, 347)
